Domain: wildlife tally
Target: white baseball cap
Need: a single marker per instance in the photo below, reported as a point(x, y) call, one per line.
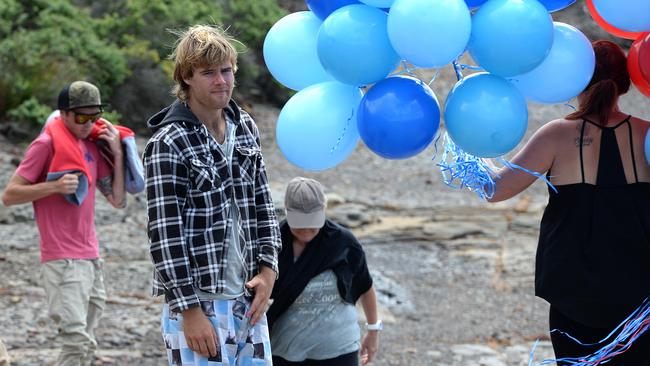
point(305, 204)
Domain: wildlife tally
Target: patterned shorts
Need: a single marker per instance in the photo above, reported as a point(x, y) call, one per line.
point(240, 344)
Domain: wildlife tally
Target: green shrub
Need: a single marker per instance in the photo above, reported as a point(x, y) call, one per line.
point(50, 44)
point(31, 112)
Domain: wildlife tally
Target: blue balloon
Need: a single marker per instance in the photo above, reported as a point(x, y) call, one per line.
point(323, 8)
point(647, 147)
point(485, 115)
point(474, 3)
point(317, 128)
point(353, 45)
point(411, 24)
point(555, 5)
point(290, 51)
point(379, 3)
point(628, 15)
point(564, 73)
point(511, 37)
point(398, 117)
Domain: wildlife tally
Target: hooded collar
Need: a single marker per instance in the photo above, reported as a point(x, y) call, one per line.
point(180, 112)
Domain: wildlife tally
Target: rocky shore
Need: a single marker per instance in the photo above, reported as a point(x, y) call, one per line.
point(454, 274)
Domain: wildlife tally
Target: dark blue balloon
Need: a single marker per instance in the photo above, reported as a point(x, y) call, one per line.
point(398, 117)
point(555, 5)
point(474, 3)
point(323, 8)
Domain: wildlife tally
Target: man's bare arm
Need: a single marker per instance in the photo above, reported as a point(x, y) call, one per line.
point(19, 190)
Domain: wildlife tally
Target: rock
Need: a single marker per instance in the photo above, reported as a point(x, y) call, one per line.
point(5, 215)
point(351, 215)
point(523, 204)
point(334, 199)
point(530, 222)
point(471, 244)
point(449, 230)
point(472, 350)
point(391, 295)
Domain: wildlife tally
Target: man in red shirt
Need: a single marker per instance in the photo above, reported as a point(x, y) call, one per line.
point(59, 173)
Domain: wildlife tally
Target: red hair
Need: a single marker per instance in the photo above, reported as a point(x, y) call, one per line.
point(610, 80)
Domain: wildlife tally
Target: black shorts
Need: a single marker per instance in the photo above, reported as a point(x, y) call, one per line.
point(348, 359)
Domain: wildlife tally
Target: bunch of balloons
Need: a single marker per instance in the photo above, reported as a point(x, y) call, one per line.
point(339, 48)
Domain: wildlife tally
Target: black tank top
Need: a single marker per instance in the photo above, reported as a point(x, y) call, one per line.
point(593, 257)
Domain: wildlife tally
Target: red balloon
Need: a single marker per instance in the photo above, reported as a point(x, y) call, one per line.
point(608, 27)
point(633, 62)
point(644, 56)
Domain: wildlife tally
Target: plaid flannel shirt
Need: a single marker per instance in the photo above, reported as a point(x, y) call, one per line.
point(189, 187)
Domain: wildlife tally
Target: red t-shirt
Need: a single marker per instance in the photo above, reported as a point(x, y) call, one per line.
point(67, 231)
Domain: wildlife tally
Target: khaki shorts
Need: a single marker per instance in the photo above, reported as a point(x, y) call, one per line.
point(4, 356)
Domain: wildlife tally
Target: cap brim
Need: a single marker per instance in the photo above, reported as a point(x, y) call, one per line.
point(89, 106)
point(301, 220)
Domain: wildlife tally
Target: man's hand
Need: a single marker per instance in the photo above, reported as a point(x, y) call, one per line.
point(67, 184)
point(111, 135)
point(369, 346)
point(200, 335)
point(263, 286)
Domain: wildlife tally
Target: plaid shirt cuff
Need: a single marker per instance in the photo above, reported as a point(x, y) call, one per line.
point(182, 298)
point(271, 262)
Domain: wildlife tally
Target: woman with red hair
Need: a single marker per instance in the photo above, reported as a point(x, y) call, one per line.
point(593, 257)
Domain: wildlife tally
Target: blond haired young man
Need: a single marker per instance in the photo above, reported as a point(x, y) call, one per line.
point(213, 233)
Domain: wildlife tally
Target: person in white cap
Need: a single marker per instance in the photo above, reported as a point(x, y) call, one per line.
point(323, 272)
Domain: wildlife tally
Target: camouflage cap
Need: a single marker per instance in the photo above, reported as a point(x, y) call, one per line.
point(79, 94)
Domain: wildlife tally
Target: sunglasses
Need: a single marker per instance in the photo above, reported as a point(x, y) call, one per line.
point(83, 118)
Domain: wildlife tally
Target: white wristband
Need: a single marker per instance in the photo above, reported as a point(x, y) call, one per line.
point(379, 325)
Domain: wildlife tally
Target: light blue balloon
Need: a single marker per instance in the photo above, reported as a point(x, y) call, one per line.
point(485, 115)
point(429, 33)
point(511, 37)
point(564, 73)
point(379, 3)
point(353, 45)
point(290, 51)
point(628, 15)
point(317, 127)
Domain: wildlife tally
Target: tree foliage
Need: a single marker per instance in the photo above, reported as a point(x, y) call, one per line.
point(123, 46)
point(45, 44)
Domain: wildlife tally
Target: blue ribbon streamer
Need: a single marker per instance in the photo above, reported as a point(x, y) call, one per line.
point(471, 67)
point(533, 173)
point(461, 170)
point(630, 330)
point(345, 129)
point(435, 75)
point(458, 69)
